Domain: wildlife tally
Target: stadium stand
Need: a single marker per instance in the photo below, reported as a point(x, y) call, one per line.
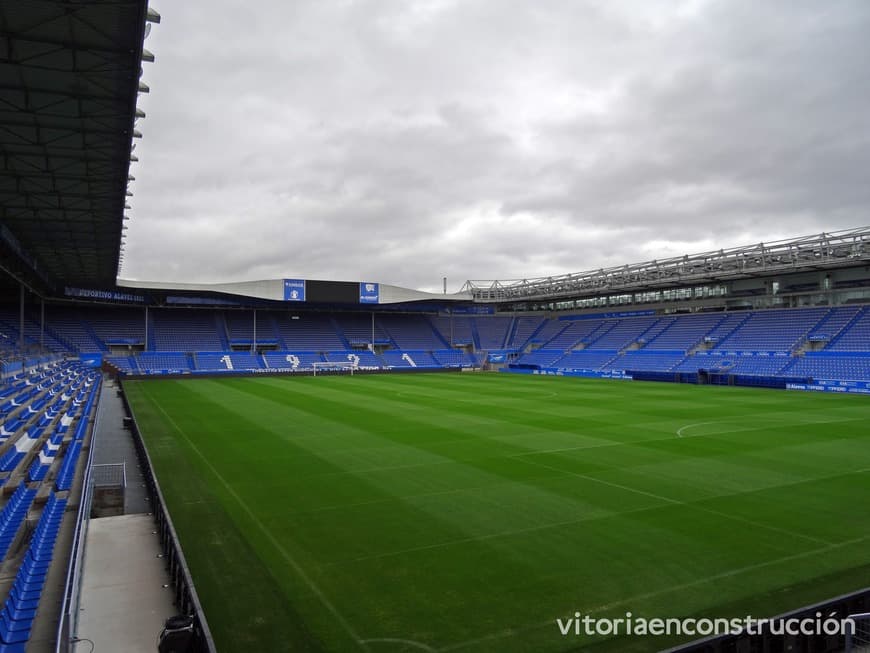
point(576, 332)
point(414, 333)
point(309, 332)
point(641, 359)
point(9, 324)
point(540, 358)
point(363, 358)
point(855, 335)
point(684, 332)
point(458, 331)
point(586, 359)
point(223, 360)
point(19, 610)
point(187, 330)
point(75, 330)
point(492, 332)
point(774, 330)
point(746, 363)
point(454, 358)
point(357, 330)
point(290, 360)
point(830, 365)
point(125, 364)
point(164, 361)
point(418, 359)
point(726, 327)
point(522, 331)
point(833, 323)
point(742, 342)
point(240, 328)
point(116, 326)
point(621, 333)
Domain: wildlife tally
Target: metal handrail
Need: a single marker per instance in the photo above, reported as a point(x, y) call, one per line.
point(77, 552)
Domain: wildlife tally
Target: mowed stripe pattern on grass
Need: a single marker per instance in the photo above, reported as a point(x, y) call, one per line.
point(468, 512)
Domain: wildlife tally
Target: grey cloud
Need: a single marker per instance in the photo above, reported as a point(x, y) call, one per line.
point(406, 140)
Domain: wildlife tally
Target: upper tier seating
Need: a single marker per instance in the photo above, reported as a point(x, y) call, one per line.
point(413, 332)
point(186, 330)
point(684, 332)
point(855, 337)
point(241, 329)
point(358, 328)
point(309, 332)
point(116, 326)
point(624, 333)
point(458, 331)
point(187, 340)
point(492, 332)
point(776, 330)
point(523, 329)
point(830, 326)
point(575, 332)
point(68, 321)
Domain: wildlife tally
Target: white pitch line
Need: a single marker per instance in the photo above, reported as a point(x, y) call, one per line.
point(269, 536)
point(689, 426)
point(398, 640)
point(690, 504)
point(736, 418)
point(666, 590)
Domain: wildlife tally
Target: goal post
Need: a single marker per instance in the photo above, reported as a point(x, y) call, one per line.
point(333, 366)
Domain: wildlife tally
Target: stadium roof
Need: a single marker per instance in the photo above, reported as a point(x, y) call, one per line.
point(69, 79)
point(823, 251)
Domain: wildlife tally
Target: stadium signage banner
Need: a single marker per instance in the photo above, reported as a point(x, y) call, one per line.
point(104, 295)
point(294, 290)
point(468, 310)
point(91, 360)
point(369, 293)
point(748, 354)
point(851, 387)
point(556, 371)
point(597, 316)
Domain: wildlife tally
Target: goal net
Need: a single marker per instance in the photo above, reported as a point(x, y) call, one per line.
point(334, 367)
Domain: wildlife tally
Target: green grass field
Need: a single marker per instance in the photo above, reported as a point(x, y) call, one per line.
point(448, 512)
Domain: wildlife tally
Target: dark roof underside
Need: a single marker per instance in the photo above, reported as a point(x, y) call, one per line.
point(69, 77)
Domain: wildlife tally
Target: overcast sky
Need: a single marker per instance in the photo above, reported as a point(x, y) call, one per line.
point(406, 140)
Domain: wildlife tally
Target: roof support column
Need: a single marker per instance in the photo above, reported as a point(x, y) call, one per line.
point(254, 346)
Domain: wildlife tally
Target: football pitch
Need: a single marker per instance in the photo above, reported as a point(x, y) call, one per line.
point(469, 512)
